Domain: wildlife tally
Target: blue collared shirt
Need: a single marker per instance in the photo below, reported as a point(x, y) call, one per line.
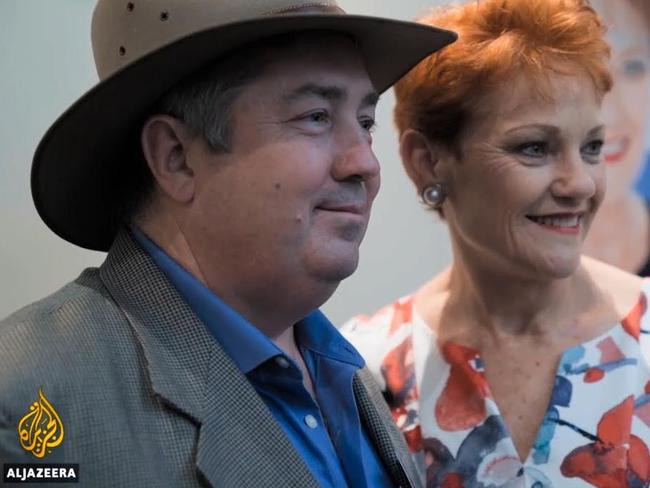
point(328, 434)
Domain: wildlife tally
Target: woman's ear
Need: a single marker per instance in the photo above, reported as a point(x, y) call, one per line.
point(165, 143)
point(420, 158)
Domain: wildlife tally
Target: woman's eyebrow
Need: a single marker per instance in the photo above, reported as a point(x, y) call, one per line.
point(543, 127)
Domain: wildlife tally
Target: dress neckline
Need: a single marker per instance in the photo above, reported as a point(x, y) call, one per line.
point(569, 364)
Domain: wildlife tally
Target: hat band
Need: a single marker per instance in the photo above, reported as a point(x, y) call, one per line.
point(310, 8)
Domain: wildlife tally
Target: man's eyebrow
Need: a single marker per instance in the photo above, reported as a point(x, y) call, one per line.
point(370, 100)
point(329, 93)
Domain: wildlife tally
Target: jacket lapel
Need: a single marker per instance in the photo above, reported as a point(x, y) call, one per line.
point(240, 443)
point(175, 344)
point(386, 437)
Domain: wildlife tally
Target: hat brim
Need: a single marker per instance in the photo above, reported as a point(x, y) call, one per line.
point(73, 172)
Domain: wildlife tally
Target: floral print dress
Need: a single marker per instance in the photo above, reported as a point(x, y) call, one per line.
point(595, 432)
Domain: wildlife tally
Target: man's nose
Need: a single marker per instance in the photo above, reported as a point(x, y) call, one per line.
point(355, 159)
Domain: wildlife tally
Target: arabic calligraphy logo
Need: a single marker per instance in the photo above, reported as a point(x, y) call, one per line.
point(41, 429)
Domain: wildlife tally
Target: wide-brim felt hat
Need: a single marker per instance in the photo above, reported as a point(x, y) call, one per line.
point(142, 48)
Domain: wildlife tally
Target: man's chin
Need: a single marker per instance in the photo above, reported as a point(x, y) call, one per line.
point(335, 268)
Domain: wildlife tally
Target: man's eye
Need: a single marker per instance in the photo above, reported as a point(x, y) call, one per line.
point(368, 124)
point(593, 148)
point(320, 117)
point(533, 149)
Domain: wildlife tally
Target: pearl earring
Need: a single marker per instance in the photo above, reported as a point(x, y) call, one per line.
point(433, 196)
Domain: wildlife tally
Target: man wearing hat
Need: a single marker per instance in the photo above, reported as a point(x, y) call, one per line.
point(224, 162)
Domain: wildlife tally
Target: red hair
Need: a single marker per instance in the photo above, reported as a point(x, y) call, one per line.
point(497, 40)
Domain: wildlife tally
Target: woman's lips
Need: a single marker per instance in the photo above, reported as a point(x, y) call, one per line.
point(560, 223)
point(615, 149)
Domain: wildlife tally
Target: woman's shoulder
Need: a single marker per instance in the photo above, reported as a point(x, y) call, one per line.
point(395, 321)
point(376, 335)
point(628, 294)
point(385, 322)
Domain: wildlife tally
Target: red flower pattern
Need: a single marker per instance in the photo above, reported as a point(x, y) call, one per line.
point(617, 459)
point(462, 403)
point(632, 323)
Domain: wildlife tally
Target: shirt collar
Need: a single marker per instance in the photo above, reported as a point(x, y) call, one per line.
point(316, 333)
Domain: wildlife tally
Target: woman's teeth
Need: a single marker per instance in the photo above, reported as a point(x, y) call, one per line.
point(568, 221)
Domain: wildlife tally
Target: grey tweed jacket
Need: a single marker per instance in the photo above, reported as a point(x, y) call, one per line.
point(146, 396)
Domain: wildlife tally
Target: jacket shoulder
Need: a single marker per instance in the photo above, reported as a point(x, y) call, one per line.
point(61, 343)
point(52, 324)
point(86, 286)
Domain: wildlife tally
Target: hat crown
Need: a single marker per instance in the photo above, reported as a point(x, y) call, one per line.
point(124, 31)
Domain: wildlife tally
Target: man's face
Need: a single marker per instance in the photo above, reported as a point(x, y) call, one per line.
point(289, 204)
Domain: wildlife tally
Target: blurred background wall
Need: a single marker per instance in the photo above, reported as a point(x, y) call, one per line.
point(46, 63)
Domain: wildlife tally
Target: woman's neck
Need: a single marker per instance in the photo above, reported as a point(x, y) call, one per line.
point(506, 303)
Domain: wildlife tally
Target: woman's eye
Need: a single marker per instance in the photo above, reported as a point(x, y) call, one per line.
point(593, 148)
point(533, 149)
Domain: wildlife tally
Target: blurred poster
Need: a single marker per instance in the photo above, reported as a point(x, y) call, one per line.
point(620, 235)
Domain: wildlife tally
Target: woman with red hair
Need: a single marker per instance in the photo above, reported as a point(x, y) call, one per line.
point(524, 364)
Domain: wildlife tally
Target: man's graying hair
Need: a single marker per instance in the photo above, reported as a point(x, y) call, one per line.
point(203, 102)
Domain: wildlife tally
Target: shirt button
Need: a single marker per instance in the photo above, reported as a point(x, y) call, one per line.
point(282, 362)
point(311, 421)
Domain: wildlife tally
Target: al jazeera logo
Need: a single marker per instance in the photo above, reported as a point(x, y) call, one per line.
point(40, 431)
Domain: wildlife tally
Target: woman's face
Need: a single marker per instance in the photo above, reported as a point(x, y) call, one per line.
point(529, 177)
point(625, 108)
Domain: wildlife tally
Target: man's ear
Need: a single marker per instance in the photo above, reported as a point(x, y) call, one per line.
point(421, 158)
point(165, 144)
